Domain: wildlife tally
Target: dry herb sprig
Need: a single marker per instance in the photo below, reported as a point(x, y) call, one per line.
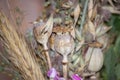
point(19, 52)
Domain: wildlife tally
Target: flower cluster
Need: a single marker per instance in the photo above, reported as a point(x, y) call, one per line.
point(53, 74)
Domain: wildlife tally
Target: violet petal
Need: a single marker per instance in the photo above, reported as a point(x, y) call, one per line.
point(52, 73)
point(76, 77)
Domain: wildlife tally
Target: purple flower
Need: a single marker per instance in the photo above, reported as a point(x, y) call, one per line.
point(76, 77)
point(52, 73)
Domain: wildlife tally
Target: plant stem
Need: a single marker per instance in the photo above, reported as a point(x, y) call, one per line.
point(83, 16)
point(65, 61)
point(47, 56)
point(51, 79)
point(65, 71)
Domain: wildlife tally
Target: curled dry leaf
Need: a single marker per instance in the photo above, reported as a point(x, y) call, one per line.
point(94, 58)
point(76, 14)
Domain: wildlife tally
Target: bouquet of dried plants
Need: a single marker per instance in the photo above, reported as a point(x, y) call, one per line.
point(72, 38)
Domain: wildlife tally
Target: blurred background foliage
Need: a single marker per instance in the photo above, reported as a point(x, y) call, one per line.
point(111, 69)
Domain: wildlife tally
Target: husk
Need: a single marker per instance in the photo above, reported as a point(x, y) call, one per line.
point(19, 53)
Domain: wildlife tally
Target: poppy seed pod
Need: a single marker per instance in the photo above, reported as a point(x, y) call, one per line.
point(43, 31)
point(64, 43)
point(95, 58)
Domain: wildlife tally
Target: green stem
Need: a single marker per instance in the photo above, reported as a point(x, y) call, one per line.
point(83, 16)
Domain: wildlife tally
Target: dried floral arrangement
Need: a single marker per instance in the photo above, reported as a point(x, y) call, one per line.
point(71, 38)
point(80, 48)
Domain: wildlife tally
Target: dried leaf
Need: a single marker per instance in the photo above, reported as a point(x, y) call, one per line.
point(49, 25)
point(76, 14)
point(72, 32)
point(102, 29)
point(104, 40)
point(91, 28)
point(94, 13)
point(90, 9)
point(75, 56)
point(76, 61)
point(111, 9)
point(78, 35)
point(79, 45)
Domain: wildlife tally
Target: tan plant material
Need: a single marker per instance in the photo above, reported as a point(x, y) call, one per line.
point(19, 53)
point(89, 31)
point(42, 34)
point(64, 44)
point(111, 9)
point(91, 28)
point(90, 9)
point(43, 31)
point(94, 58)
point(76, 14)
point(102, 29)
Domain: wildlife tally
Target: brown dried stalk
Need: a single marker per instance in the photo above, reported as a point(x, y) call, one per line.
point(19, 53)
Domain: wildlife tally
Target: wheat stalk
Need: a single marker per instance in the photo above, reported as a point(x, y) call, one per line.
point(19, 52)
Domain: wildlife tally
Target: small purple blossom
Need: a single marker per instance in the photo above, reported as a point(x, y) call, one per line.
point(76, 77)
point(53, 74)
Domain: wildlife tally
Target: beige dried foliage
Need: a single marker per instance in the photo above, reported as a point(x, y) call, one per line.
point(72, 32)
point(43, 32)
point(91, 28)
point(94, 57)
point(111, 9)
point(90, 9)
point(76, 14)
point(19, 53)
point(94, 13)
point(102, 29)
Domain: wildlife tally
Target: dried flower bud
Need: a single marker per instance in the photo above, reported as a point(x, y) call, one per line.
point(64, 43)
point(95, 58)
point(43, 31)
